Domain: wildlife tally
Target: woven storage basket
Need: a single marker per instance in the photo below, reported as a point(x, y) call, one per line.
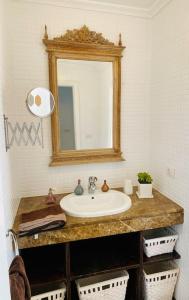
point(159, 241)
point(52, 295)
point(111, 286)
point(160, 280)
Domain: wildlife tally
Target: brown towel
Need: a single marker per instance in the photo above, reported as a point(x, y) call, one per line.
point(44, 219)
point(19, 284)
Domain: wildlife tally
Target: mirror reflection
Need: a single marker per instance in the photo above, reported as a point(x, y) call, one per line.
point(85, 100)
point(40, 102)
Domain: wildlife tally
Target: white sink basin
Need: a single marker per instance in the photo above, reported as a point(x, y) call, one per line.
point(96, 205)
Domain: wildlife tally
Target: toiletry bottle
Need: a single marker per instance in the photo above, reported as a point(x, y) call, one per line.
point(79, 189)
point(51, 199)
point(128, 187)
point(105, 187)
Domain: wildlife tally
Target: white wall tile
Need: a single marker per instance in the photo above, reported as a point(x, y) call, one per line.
point(169, 116)
point(7, 205)
point(29, 68)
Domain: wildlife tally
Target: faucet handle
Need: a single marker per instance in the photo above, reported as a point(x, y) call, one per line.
point(92, 179)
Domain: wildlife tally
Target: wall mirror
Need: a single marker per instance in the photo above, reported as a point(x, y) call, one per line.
point(40, 102)
point(85, 79)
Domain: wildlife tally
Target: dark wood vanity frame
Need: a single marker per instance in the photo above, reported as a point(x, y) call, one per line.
point(49, 266)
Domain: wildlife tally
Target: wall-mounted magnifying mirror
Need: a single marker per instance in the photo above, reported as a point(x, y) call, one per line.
point(40, 102)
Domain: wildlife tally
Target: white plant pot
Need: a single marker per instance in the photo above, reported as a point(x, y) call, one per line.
point(144, 191)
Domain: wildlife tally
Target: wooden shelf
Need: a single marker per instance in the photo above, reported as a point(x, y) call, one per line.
point(48, 267)
point(45, 267)
point(91, 272)
point(44, 279)
point(51, 283)
point(103, 255)
point(162, 257)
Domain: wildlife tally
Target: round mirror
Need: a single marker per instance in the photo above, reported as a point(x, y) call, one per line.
point(40, 102)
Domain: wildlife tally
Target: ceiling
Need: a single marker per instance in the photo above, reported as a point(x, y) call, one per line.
point(131, 3)
point(136, 8)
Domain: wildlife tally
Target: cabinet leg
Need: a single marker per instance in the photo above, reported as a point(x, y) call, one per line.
point(68, 291)
point(67, 259)
point(140, 295)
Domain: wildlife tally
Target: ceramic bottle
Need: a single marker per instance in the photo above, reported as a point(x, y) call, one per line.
point(79, 189)
point(105, 187)
point(50, 199)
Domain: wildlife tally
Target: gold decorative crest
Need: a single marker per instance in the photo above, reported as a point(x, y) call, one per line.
point(84, 35)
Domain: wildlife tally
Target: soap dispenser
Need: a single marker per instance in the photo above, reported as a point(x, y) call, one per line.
point(79, 189)
point(105, 187)
point(50, 199)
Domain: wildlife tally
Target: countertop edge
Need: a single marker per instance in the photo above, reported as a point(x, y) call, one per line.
point(100, 230)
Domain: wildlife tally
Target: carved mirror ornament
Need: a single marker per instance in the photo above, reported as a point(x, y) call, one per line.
point(98, 141)
point(82, 35)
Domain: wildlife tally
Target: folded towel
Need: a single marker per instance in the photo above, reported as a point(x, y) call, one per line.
point(44, 219)
point(19, 284)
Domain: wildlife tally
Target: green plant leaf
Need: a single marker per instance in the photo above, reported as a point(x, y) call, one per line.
point(144, 177)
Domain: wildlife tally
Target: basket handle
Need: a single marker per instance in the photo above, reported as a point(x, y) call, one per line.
point(106, 286)
point(162, 242)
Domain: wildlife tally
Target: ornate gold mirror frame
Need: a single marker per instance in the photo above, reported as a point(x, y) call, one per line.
point(84, 44)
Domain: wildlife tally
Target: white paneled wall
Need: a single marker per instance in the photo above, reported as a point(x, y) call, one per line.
point(5, 173)
point(29, 68)
point(5, 186)
point(170, 116)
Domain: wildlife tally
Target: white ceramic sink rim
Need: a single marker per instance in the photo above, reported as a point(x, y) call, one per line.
point(95, 205)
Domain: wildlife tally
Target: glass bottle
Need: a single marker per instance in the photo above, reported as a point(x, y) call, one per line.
point(79, 189)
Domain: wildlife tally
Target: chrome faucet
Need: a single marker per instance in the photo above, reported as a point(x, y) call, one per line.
point(92, 185)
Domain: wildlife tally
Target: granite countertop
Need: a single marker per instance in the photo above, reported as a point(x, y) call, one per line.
point(144, 214)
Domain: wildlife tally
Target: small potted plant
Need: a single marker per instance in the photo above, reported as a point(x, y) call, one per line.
point(145, 185)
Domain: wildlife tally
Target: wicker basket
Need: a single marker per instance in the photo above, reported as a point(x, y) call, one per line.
point(111, 286)
point(52, 295)
point(159, 241)
point(160, 280)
